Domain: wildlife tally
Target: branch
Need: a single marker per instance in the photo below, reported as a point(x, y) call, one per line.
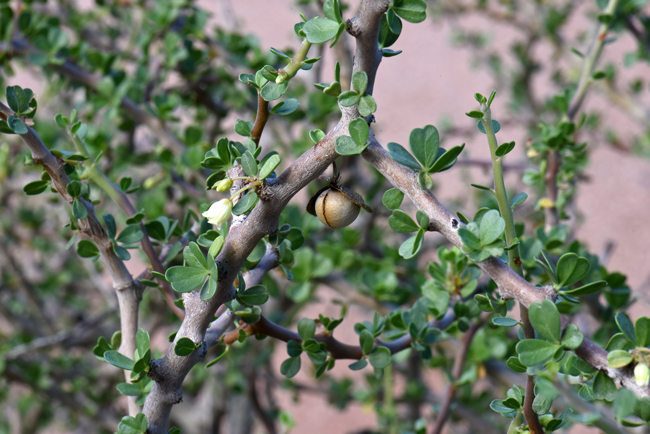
point(365, 28)
point(510, 284)
point(129, 292)
point(261, 119)
point(98, 176)
point(336, 348)
point(252, 277)
point(456, 372)
point(554, 160)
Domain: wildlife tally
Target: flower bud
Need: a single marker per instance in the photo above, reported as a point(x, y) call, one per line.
point(224, 185)
point(642, 374)
point(219, 212)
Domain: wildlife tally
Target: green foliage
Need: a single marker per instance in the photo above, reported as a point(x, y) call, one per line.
point(149, 127)
point(482, 237)
point(424, 143)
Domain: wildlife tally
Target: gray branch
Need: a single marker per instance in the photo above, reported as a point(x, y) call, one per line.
point(129, 292)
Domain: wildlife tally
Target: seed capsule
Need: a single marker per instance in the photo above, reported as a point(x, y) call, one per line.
point(336, 206)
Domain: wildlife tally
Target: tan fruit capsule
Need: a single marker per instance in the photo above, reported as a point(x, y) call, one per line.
point(336, 206)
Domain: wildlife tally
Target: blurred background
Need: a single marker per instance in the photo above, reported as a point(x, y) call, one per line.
point(525, 50)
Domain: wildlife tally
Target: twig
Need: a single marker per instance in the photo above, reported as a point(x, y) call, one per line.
point(261, 119)
point(98, 176)
point(62, 337)
point(336, 348)
point(514, 260)
point(456, 372)
point(554, 160)
point(135, 113)
point(129, 292)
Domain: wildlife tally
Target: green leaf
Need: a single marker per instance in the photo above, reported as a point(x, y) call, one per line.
point(571, 337)
point(495, 126)
point(286, 107)
point(243, 128)
point(618, 359)
point(316, 136)
point(447, 160)
point(642, 331)
point(571, 268)
point(424, 144)
point(133, 425)
point(12, 98)
point(78, 209)
point(17, 125)
point(214, 362)
point(87, 249)
point(423, 219)
point(249, 77)
point(319, 30)
point(272, 91)
point(119, 360)
point(349, 98)
point(469, 238)
point(387, 52)
point(358, 365)
point(185, 279)
point(402, 222)
point(367, 341)
point(535, 351)
point(142, 341)
point(194, 257)
point(333, 89)
point(379, 357)
point(209, 289)
point(254, 296)
point(367, 105)
point(130, 235)
point(346, 145)
point(587, 289)
point(245, 204)
point(332, 10)
point(268, 164)
point(545, 318)
point(504, 321)
point(249, 164)
point(412, 246)
point(294, 349)
point(475, 114)
point(514, 364)
point(626, 326)
point(504, 149)
point(73, 188)
point(36, 187)
point(290, 367)
point(393, 198)
point(491, 227)
point(129, 389)
point(413, 11)
point(518, 199)
point(184, 347)
point(604, 387)
point(497, 405)
point(359, 131)
point(306, 328)
point(402, 156)
point(360, 82)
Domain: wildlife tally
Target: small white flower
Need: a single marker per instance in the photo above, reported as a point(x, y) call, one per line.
point(642, 374)
point(219, 212)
